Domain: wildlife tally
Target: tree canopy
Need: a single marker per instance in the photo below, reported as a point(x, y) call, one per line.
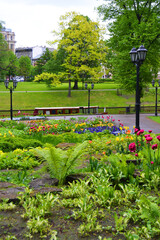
point(81, 39)
point(3, 54)
point(42, 61)
point(24, 66)
point(132, 23)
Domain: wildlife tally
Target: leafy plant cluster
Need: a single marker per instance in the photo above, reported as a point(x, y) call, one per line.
point(8, 144)
point(18, 159)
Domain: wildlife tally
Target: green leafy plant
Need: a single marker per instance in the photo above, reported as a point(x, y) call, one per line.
point(61, 162)
point(6, 205)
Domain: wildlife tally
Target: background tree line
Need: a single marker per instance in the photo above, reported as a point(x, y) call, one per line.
point(81, 48)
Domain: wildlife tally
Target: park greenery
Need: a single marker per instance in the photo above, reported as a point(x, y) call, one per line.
point(107, 176)
point(82, 51)
point(132, 24)
point(29, 95)
point(115, 194)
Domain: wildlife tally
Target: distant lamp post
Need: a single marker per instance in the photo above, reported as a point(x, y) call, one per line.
point(137, 57)
point(156, 87)
point(6, 83)
point(86, 87)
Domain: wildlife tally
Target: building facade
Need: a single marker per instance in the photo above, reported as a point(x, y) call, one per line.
point(33, 53)
point(9, 36)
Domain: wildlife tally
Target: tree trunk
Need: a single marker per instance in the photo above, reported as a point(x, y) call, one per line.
point(69, 89)
point(75, 84)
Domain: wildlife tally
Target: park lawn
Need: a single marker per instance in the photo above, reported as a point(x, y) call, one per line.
point(30, 100)
point(155, 118)
point(101, 98)
point(34, 86)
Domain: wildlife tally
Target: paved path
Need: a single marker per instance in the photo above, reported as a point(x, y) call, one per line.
point(126, 119)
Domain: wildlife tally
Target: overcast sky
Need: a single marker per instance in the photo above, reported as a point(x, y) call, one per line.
point(34, 20)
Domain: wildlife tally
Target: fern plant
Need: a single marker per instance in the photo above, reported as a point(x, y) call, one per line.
point(61, 162)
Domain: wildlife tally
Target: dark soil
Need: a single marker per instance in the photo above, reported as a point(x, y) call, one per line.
point(12, 224)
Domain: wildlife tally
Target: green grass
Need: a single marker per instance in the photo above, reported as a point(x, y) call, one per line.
point(155, 118)
point(101, 98)
point(33, 86)
point(29, 100)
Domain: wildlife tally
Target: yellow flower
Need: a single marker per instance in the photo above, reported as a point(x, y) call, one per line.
point(110, 124)
point(120, 128)
point(1, 153)
point(117, 139)
point(122, 139)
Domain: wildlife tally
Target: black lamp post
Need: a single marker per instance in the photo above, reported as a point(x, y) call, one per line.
point(86, 87)
point(156, 87)
point(137, 57)
point(6, 83)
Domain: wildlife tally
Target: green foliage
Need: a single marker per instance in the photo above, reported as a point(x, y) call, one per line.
point(70, 137)
point(55, 64)
point(8, 144)
point(10, 125)
point(3, 56)
point(60, 162)
point(24, 66)
point(36, 210)
point(12, 68)
point(42, 61)
point(133, 23)
point(84, 50)
point(18, 159)
point(6, 205)
point(51, 79)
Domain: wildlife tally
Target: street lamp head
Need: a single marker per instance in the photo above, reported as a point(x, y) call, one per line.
point(153, 82)
point(6, 83)
point(141, 53)
point(15, 83)
point(133, 54)
point(92, 85)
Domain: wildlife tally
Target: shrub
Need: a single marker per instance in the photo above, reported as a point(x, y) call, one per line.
point(8, 144)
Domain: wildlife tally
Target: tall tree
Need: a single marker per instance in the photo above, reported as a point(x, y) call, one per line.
point(54, 65)
point(81, 40)
point(12, 68)
point(24, 66)
point(42, 61)
point(3, 54)
point(131, 24)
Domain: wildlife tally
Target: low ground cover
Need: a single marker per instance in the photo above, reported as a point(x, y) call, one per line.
point(117, 197)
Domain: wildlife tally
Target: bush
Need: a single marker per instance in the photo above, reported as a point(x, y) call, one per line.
point(8, 144)
point(70, 137)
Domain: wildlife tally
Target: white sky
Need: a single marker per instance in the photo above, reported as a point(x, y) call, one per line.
point(33, 21)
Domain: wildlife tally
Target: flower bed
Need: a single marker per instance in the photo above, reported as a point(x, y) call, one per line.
point(118, 199)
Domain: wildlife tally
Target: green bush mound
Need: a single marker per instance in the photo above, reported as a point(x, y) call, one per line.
point(69, 137)
point(19, 159)
point(8, 144)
